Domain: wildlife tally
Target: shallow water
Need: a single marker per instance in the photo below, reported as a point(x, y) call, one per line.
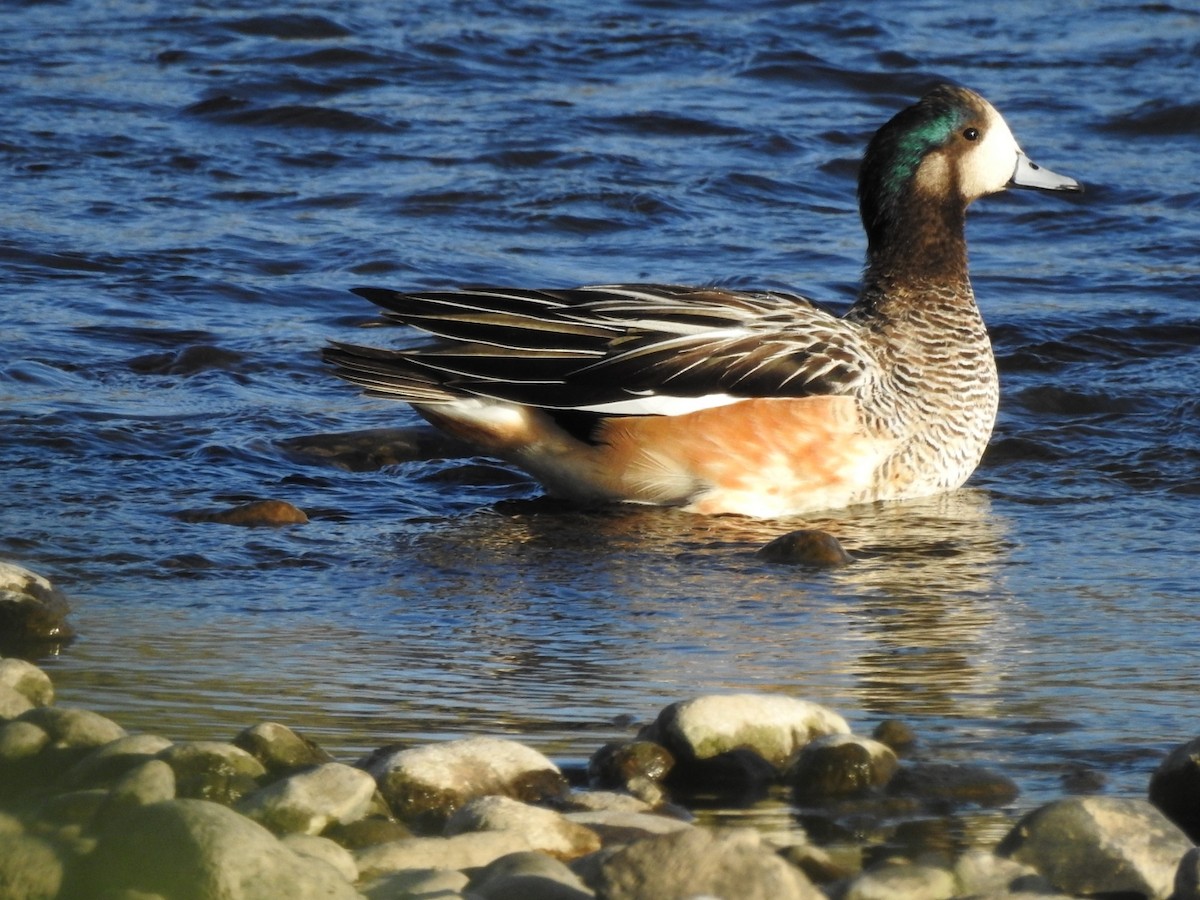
point(190, 190)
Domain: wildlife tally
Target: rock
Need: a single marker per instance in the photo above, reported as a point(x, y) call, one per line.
point(306, 803)
point(806, 547)
point(279, 749)
point(1175, 787)
point(114, 759)
point(253, 514)
point(896, 734)
point(774, 726)
point(425, 785)
point(374, 448)
point(27, 680)
point(980, 873)
point(33, 614)
point(544, 829)
point(617, 827)
point(528, 876)
point(902, 881)
point(417, 884)
point(950, 785)
point(323, 850)
point(816, 863)
point(840, 765)
point(616, 764)
point(30, 868)
point(1088, 845)
point(1187, 876)
point(701, 862)
point(604, 801)
point(212, 770)
point(366, 832)
point(463, 851)
point(151, 782)
point(74, 729)
point(21, 740)
point(12, 702)
point(197, 850)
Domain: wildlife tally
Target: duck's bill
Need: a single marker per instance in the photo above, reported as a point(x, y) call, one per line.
point(1029, 174)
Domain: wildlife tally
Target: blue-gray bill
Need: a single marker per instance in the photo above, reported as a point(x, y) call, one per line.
point(1029, 174)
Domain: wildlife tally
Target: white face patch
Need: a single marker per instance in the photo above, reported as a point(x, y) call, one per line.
point(989, 165)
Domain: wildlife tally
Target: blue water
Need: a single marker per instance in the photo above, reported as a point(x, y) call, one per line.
point(190, 190)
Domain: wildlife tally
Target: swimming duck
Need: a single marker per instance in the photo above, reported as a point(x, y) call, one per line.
point(722, 401)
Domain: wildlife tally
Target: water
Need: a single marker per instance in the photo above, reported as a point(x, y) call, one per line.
point(189, 191)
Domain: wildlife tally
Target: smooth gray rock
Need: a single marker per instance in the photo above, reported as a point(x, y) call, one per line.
point(325, 851)
point(702, 862)
point(620, 827)
point(417, 884)
point(544, 829)
point(21, 741)
point(74, 729)
point(151, 782)
point(618, 763)
point(212, 770)
point(983, 874)
point(30, 868)
point(528, 876)
point(114, 759)
point(899, 881)
point(279, 749)
point(425, 785)
point(28, 680)
point(197, 850)
point(774, 726)
point(463, 851)
point(12, 702)
point(308, 802)
point(1090, 845)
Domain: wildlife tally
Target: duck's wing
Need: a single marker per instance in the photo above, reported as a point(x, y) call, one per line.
point(615, 349)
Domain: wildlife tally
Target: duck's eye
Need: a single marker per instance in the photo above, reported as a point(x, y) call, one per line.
point(971, 134)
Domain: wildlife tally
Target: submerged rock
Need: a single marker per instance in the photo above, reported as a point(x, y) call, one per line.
point(33, 613)
point(806, 547)
point(279, 749)
point(1094, 845)
point(254, 514)
point(425, 785)
point(943, 786)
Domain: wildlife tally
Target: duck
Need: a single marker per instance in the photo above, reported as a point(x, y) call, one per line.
point(718, 401)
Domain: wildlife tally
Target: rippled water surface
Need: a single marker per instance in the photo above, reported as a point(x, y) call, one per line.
point(189, 189)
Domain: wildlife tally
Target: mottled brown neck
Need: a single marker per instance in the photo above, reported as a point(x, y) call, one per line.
point(921, 251)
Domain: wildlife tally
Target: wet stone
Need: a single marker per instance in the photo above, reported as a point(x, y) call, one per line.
point(33, 613)
point(896, 734)
point(620, 827)
point(425, 785)
point(839, 765)
point(618, 763)
point(544, 829)
point(943, 786)
point(27, 680)
point(1175, 787)
point(902, 881)
point(212, 770)
point(528, 876)
point(307, 802)
point(774, 726)
point(279, 749)
point(366, 832)
point(461, 851)
point(816, 549)
point(1095, 845)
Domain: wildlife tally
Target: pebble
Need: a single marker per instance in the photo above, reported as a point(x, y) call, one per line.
point(88, 810)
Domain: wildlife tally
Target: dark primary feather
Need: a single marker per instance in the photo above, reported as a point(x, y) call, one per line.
point(563, 349)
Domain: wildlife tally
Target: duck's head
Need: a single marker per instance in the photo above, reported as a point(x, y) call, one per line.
point(938, 155)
